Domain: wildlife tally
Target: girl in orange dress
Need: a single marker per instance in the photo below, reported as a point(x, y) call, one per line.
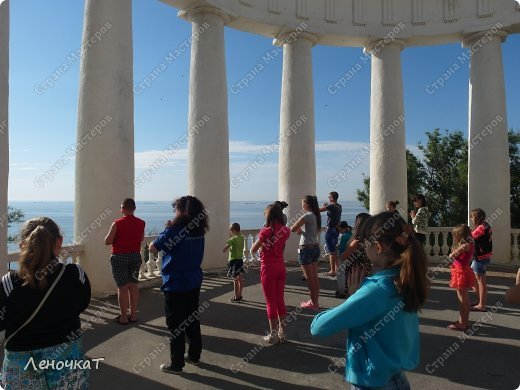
point(462, 277)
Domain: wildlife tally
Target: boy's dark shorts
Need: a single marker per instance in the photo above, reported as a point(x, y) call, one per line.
point(235, 268)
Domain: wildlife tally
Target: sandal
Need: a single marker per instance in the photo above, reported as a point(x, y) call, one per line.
point(116, 320)
point(458, 326)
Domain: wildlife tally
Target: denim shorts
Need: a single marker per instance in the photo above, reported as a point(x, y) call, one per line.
point(331, 240)
point(479, 266)
point(307, 255)
point(397, 382)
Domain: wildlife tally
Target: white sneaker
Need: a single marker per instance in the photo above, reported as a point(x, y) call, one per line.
point(272, 338)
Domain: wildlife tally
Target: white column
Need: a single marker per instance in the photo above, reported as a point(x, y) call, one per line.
point(488, 165)
point(105, 155)
point(208, 146)
point(297, 160)
point(387, 130)
point(4, 133)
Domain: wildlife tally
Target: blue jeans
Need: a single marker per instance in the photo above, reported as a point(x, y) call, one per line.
point(308, 255)
point(397, 382)
point(331, 239)
point(479, 266)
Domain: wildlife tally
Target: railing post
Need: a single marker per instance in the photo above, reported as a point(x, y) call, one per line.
point(436, 246)
point(428, 247)
point(150, 264)
point(445, 246)
point(158, 263)
point(142, 269)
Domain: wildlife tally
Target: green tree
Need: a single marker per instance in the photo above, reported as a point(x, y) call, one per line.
point(414, 177)
point(514, 164)
point(415, 174)
point(14, 216)
point(446, 181)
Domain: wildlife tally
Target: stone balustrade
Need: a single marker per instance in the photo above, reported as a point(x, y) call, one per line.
point(438, 246)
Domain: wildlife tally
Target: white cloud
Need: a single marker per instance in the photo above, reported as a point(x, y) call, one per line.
point(339, 146)
point(150, 158)
point(331, 158)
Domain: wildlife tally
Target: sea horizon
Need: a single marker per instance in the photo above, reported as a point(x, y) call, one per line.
point(248, 213)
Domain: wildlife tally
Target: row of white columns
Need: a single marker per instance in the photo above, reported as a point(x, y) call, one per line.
point(105, 165)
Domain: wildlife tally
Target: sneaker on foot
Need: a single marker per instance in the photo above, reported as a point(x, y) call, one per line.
point(272, 338)
point(168, 368)
point(189, 360)
point(235, 299)
point(309, 305)
point(282, 337)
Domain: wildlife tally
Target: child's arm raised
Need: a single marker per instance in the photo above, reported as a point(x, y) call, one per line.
point(368, 303)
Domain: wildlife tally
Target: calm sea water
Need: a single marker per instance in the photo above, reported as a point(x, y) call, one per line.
point(248, 214)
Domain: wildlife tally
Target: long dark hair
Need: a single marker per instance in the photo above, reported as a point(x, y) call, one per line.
point(274, 215)
point(361, 218)
point(479, 215)
point(194, 215)
point(39, 236)
point(390, 229)
point(312, 202)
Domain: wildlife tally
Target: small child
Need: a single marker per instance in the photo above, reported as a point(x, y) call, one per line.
point(345, 233)
point(235, 263)
point(462, 277)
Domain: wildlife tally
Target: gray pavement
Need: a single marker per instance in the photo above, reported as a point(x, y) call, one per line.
point(235, 356)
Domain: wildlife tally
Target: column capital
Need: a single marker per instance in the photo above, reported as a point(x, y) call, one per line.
point(481, 37)
point(293, 34)
point(192, 12)
point(375, 46)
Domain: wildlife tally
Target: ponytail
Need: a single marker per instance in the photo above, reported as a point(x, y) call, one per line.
point(316, 211)
point(39, 236)
point(412, 282)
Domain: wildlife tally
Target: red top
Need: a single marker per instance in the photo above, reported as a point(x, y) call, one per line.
point(274, 243)
point(129, 234)
point(464, 258)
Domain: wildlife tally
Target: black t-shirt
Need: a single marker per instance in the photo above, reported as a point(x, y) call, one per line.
point(58, 319)
point(333, 214)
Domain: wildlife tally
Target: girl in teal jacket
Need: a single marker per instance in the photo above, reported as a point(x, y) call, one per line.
point(381, 313)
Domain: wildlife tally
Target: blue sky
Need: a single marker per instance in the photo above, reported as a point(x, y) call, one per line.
point(43, 125)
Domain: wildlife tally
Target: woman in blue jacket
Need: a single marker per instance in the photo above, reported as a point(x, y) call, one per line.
point(183, 244)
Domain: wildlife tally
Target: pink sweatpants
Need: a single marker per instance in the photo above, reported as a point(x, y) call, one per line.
point(272, 276)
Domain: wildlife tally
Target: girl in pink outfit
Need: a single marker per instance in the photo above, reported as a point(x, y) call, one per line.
point(462, 277)
point(271, 241)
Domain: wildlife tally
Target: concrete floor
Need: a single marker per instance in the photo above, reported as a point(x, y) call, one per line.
point(235, 357)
